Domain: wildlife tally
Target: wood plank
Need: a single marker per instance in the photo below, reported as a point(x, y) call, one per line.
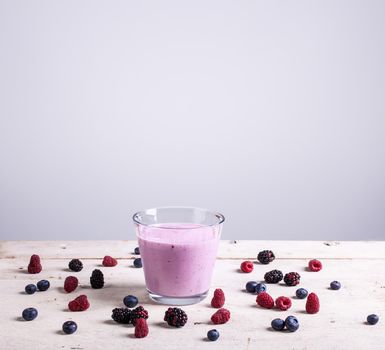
point(339, 325)
point(227, 250)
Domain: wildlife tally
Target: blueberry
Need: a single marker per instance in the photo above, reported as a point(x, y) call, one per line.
point(30, 288)
point(291, 323)
point(43, 285)
point(335, 285)
point(130, 301)
point(250, 286)
point(212, 335)
point(278, 324)
point(260, 287)
point(372, 319)
point(136, 251)
point(69, 327)
point(29, 314)
point(138, 262)
point(301, 293)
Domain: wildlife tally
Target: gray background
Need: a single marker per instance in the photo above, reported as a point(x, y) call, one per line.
point(271, 112)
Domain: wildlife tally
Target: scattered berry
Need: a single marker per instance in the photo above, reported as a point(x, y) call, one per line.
point(315, 265)
point(247, 266)
point(372, 319)
point(273, 276)
point(265, 257)
point(34, 264)
point(138, 263)
point(291, 323)
point(221, 316)
point(69, 327)
point(109, 261)
point(292, 278)
point(218, 299)
point(265, 300)
point(79, 304)
point(29, 314)
point(301, 293)
point(121, 315)
point(70, 284)
point(137, 313)
point(141, 328)
point(75, 265)
point(175, 317)
point(251, 286)
point(278, 324)
point(97, 279)
point(212, 335)
point(283, 303)
point(335, 285)
point(260, 288)
point(43, 285)
point(130, 301)
point(312, 304)
point(30, 288)
point(137, 251)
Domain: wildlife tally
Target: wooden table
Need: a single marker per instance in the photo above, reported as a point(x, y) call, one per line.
point(359, 266)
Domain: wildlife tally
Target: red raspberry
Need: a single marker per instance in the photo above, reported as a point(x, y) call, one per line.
point(315, 265)
point(283, 303)
point(34, 264)
point(312, 304)
point(109, 261)
point(79, 304)
point(247, 266)
point(221, 316)
point(218, 299)
point(265, 300)
point(70, 284)
point(141, 328)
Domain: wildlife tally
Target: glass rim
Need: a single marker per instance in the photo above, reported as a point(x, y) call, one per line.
point(217, 214)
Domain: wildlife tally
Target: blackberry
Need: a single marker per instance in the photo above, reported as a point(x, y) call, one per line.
point(97, 279)
point(292, 278)
point(121, 315)
point(265, 257)
point(175, 317)
point(138, 312)
point(75, 265)
point(273, 276)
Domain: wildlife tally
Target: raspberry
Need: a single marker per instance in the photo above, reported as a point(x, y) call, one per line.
point(265, 257)
point(221, 316)
point(265, 300)
point(141, 328)
point(273, 276)
point(218, 299)
point(79, 304)
point(97, 279)
point(315, 265)
point(70, 284)
point(137, 313)
point(109, 261)
point(34, 264)
point(175, 317)
point(247, 266)
point(292, 278)
point(283, 303)
point(312, 304)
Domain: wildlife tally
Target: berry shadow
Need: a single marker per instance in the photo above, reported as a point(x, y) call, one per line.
point(20, 319)
point(60, 332)
point(271, 329)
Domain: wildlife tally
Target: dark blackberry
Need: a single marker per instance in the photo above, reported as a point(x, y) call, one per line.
point(75, 265)
point(266, 256)
point(175, 317)
point(273, 276)
point(292, 278)
point(97, 279)
point(121, 315)
point(138, 312)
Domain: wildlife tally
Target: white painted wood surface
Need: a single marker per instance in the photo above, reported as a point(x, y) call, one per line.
point(360, 266)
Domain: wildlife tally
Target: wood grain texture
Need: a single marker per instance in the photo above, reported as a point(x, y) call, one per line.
point(360, 266)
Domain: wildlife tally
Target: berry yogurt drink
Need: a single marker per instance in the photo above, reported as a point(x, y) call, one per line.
point(178, 256)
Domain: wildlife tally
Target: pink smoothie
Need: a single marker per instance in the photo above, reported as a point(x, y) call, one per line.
point(178, 262)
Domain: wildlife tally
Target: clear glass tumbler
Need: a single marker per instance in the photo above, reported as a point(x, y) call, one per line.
point(178, 247)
